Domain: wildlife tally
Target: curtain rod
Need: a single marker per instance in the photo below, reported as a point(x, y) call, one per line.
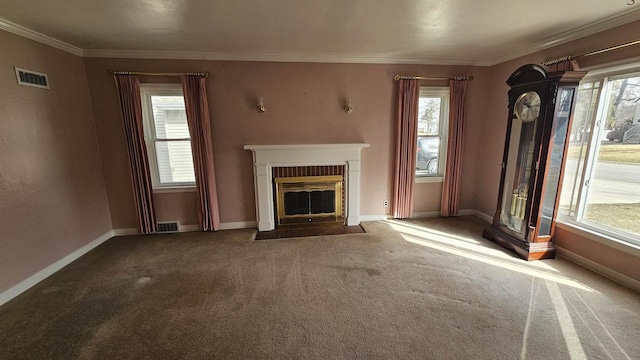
point(114, 72)
point(414, 77)
point(590, 53)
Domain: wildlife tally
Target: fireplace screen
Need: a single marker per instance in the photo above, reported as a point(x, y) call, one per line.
point(309, 199)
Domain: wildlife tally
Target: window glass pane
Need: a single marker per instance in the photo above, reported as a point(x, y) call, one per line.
point(432, 130)
point(427, 155)
point(613, 197)
point(429, 115)
point(583, 118)
point(175, 163)
point(170, 117)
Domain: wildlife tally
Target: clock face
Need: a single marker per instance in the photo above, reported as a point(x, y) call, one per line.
point(527, 106)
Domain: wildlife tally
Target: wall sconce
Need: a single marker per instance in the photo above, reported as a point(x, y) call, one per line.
point(347, 106)
point(260, 107)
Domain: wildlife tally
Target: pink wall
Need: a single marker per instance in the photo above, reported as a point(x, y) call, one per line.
point(52, 193)
point(487, 175)
point(177, 206)
point(426, 197)
point(304, 105)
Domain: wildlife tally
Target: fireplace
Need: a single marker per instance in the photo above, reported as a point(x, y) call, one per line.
point(267, 159)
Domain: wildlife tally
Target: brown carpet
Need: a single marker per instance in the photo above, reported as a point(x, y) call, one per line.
point(286, 232)
point(421, 289)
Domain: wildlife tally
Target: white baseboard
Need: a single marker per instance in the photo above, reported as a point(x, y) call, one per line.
point(134, 231)
point(374, 217)
point(51, 269)
point(599, 269)
point(123, 232)
point(189, 228)
point(425, 214)
point(239, 225)
point(428, 214)
point(463, 212)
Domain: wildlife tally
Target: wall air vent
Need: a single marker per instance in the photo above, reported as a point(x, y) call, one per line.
point(32, 78)
point(168, 226)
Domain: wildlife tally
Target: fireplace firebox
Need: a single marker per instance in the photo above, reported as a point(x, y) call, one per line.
point(305, 199)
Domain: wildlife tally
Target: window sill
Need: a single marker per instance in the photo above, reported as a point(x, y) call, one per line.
point(174, 189)
point(596, 236)
point(429, 179)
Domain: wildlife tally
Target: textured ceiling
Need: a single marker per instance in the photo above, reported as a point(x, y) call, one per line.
point(420, 31)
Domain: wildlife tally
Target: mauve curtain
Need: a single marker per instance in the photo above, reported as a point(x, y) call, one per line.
point(197, 106)
point(406, 145)
point(128, 87)
point(453, 169)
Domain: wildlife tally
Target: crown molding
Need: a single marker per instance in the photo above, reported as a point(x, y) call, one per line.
point(571, 35)
point(551, 41)
point(196, 55)
point(39, 37)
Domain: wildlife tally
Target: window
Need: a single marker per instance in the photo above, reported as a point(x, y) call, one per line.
point(433, 114)
point(601, 187)
point(167, 136)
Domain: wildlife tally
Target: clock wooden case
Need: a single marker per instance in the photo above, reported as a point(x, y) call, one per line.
point(541, 104)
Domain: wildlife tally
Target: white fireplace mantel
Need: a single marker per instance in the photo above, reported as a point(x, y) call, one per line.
point(265, 157)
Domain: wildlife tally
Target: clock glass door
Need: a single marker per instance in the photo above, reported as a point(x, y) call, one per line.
point(517, 173)
point(558, 137)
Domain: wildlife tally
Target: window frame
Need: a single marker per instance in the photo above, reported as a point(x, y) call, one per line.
point(606, 233)
point(443, 127)
point(146, 92)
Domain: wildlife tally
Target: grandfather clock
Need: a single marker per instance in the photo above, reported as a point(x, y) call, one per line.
point(541, 105)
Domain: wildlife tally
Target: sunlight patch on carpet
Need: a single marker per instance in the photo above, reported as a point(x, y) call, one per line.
point(508, 265)
point(571, 338)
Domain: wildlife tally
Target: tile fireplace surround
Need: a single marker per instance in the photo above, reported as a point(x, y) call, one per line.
point(267, 156)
